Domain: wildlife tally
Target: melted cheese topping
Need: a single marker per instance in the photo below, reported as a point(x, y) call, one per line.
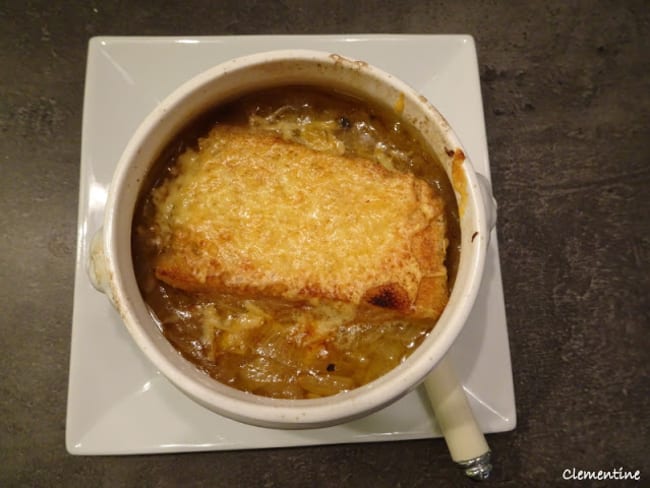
point(318, 135)
point(250, 213)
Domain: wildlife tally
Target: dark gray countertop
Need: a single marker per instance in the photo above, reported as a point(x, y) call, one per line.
point(566, 94)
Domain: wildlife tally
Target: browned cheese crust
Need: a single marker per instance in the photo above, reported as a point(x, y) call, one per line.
point(250, 214)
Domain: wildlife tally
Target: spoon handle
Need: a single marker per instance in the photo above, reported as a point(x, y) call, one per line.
point(465, 441)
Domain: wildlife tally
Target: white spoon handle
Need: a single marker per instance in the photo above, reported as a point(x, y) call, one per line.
point(465, 440)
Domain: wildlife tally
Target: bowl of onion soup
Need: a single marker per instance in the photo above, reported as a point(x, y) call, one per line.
point(294, 238)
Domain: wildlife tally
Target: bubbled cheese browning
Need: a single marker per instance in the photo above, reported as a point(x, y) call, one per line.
point(251, 214)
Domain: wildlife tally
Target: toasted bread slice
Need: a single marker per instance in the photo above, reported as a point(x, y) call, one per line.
point(253, 215)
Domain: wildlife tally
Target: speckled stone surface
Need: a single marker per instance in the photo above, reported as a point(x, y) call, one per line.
point(566, 89)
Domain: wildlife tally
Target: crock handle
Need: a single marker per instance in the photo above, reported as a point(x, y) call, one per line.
point(97, 268)
point(488, 201)
point(465, 441)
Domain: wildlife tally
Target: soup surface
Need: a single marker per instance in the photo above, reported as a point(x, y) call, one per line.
point(275, 341)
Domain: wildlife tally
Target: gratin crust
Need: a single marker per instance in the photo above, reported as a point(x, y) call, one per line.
point(249, 214)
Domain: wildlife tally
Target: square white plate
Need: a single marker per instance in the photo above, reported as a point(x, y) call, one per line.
point(118, 403)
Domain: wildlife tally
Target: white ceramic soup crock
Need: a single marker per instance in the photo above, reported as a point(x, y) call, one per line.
point(111, 269)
